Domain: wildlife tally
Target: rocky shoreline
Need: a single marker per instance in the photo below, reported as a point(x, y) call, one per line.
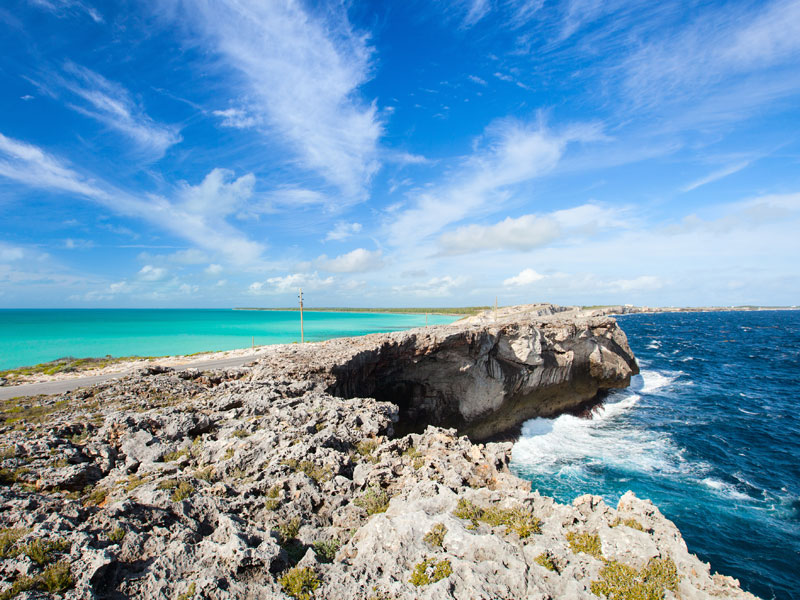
point(345, 469)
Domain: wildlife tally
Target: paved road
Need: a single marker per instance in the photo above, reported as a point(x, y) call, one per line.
point(67, 385)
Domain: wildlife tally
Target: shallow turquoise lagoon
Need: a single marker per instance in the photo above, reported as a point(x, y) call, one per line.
point(33, 336)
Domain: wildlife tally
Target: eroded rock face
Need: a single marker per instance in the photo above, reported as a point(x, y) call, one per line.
point(236, 484)
point(486, 375)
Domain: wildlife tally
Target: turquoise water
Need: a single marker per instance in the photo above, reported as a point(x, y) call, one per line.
point(710, 431)
point(29, 337)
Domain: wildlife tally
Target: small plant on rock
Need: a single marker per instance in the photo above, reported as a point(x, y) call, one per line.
point(435, 537)
point(621, 582)
point(240, 433)
point(206, 474)
point(272, 501)
point(116, 535)
point(546, 560)
point(56, 578)
point(189, 593)
point(8, 539)
point(632, 523)
point(585, 542)
point(96, 497)
point(366, 448)
point(374, 500)
point(326, 549)
point(288, 530)
point(300, 583)
point(167, 484)
point(430, 571)
point(183, 491)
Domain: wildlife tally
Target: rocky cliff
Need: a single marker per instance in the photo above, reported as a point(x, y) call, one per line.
point(285, 479)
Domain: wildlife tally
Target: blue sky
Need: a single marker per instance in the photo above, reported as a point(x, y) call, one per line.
point(191, 153)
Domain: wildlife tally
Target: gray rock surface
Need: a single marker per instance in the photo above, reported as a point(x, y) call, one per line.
point(235, 484)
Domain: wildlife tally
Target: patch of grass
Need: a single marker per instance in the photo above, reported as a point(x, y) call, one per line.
point(8, 539)
point(272, 501)
point(318, 474)
point(319, 427)
point(229, 454)
point(430, 571)
point(167, 484)
point(546, 560)
point(174, 456)
point(41, 552)
point(116, 535)
point(96, 496)
point(183, 491)
point(588, 543)
point(417, 459)
point(288, 530)
point(240, 433)
point(621, 582)
point(435, 537)
point(68, 364)
point(365, 449)
point(79, 438)
point(208, 474)
point(300, 583)
point(519, 519)
point(189, 593)
point(134, 481)
point(59, 463)
point(374, 500)
point(632, 523)
point(326, 549)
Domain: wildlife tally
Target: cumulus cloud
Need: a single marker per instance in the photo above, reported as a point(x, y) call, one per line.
point(10, 253)
point(356, 261)
point(342, 231)
point(525, 277)
point(151, 273)
point(287, 283)
point(237, 118)
point(523, 233)
point(214, 269)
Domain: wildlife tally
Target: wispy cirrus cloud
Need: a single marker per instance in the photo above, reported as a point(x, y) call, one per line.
point(303, 72)
point(63, 7)
point(195, 213)
point(715, 176)
point(113, 106)
point(512, 153)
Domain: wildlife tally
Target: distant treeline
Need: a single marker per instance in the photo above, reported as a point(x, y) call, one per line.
point(461, 310)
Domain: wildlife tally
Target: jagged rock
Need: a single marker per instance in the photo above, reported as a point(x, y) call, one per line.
point(213, 485)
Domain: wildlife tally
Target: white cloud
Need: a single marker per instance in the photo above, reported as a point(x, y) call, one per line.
point(214, 269)
point(288, 283)
point(523, 233)
point(151, 273)
point(302, 73)
point(436, 287)
point(61, 7)
point(478, 80)
point(525, 277)
point(10, 253)
point(72, 244)
point(112, 105)
point(342, 231)
point(715, 176)
point(357, 261)
point(196, 215)
point(293, 197)
point(638, 284)
point(237, 118)
point(513, 153)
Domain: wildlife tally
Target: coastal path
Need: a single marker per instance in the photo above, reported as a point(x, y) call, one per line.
point(67, 385)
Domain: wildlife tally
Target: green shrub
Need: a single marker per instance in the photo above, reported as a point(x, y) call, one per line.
point(430, 571)
point(621, 582)
point(585, 542)
point(183, 491)
point(173, 456)
point(435, 537)
point(41, 552)
point(167, 484)
point(520, 520)
point(318, 474)
point(116, 535)
point(632, 523)
point(240, 433)
point(546, 560)
point(56, 578)
point(96, 497)
point(374, 500)
point(288, 530)
point(134, 481)
point(365, 448)
point(326, 549)
point(300, 583)
point(189, 593)
point(206, 474)
point(8, 538)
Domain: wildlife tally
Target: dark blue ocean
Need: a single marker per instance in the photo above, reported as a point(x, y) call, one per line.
point(710, 432)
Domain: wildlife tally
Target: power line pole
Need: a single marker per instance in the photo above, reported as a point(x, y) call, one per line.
point(302, 340)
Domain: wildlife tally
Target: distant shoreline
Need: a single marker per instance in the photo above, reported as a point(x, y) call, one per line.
point(450, 312)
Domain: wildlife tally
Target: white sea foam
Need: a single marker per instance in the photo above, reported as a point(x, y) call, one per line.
point(725, 489)
point(654, 345)
point(649, 381)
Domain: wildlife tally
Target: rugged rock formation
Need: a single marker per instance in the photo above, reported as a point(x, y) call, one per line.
point(261, 483)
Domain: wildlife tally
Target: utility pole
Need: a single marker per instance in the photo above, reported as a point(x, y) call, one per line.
point(301, 317)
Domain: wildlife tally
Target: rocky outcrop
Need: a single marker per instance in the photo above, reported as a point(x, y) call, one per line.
point(261, 483)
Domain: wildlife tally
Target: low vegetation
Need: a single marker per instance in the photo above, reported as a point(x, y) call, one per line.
point(519, 519)
point(546, 560)
point(622, 582)
point(632, 523)
point(374, 500)
point(326, 549)
point(68, 364)
point(317, 473)
point(435, 537)
point(585, 542)
point(430, 571)
point(300, 583)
